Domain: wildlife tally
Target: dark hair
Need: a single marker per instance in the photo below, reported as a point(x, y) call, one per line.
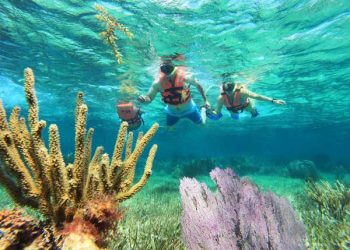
point(228, 86)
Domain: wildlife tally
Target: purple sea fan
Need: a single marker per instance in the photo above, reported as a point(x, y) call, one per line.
point(237, 216)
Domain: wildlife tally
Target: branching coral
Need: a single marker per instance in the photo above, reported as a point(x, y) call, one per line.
point(327, 215)
point(37, 176)
point(109, 35)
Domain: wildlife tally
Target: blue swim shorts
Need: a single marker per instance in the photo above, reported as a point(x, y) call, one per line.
point(190, 111)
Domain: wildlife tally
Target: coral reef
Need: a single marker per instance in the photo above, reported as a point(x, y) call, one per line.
point(302, 169)
point(326, 213)
point(37, 176)
point(19, 231)
point(109, 35)
point(237, 217)
point(96, 220)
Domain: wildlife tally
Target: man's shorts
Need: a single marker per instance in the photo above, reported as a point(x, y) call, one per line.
point(190, 111)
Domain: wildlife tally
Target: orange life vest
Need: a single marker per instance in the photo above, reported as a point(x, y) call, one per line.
point(237, 104)
point(173, 90)
point(128, 112)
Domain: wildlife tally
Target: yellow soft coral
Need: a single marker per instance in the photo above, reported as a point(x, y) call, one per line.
point(36, 175)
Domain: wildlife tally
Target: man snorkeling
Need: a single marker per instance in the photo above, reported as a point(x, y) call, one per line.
point(129, 112)
point(174, 86)
point(237, 98)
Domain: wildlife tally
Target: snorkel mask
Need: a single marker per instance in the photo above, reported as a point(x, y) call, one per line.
point(167, 68)
point(228, 86)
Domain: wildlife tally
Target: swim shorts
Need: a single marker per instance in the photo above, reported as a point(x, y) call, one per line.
point(189, 111)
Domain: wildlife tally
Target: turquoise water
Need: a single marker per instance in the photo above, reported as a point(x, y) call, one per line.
point(295, 50)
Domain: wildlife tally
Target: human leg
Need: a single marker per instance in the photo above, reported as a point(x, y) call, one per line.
point(171, 120)
point(252, 109)
point(203, 114)
point(235, 115)
point(195, 116)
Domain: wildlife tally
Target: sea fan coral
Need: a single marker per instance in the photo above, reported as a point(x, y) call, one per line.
point(237, 217)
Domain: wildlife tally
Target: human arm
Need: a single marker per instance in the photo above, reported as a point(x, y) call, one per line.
point(200, 88)
point(262, 97)
point(152, 92)
point(216, 114)
point(219, 104)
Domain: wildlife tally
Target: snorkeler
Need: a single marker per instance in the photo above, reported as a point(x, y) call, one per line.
point(236, 98)
point(127, 111)
point(174, 85)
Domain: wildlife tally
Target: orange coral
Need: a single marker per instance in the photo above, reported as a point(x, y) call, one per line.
point(102, 212)
point(96, 218)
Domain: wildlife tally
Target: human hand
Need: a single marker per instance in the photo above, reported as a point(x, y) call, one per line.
point(210, 111)
point(143, 99)
point(279, 102)
point(212, 115)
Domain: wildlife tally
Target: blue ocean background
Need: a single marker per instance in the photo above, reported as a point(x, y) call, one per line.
point(295, 50)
